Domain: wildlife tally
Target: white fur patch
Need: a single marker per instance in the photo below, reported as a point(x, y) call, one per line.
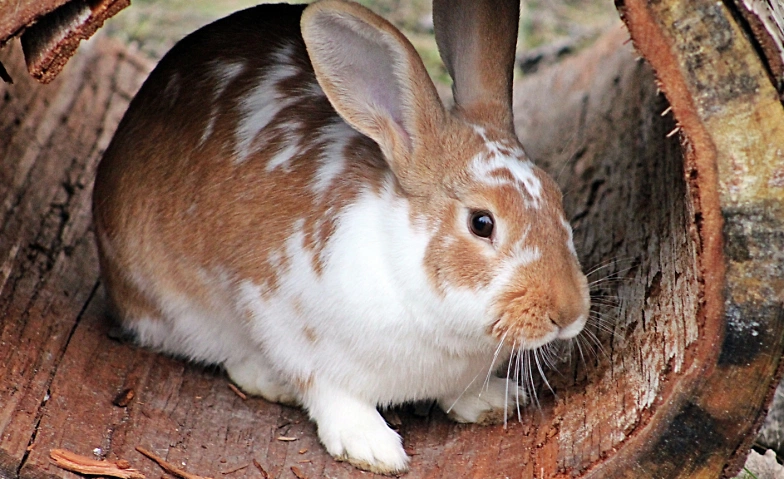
point(222, 73)
point(573, 329)
point(291, 147)
point(332, 160)
point(570, 241)
point(498, 157)
point(264, 101)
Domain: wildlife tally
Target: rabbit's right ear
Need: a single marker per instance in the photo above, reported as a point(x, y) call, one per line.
point(374, 79)
point(477, 39)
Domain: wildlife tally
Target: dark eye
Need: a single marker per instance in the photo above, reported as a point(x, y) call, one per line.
point(481, 224)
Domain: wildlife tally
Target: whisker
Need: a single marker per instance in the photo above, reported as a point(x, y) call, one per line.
point(601, 325)
point(592, 337)
point(541, 371)
point(529, 369)
point(605, 302)
point(517, 384)
point(587, 344)
point(578, 340)
point(486, 384)
point(506, 396)
point(461, 394)
point(610, 262)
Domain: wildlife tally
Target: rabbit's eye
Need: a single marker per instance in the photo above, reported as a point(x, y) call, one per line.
point(481, 224)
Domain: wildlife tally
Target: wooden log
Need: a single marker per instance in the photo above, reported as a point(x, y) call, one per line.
point(732, 123)
point(682, 231)
point(53, 39)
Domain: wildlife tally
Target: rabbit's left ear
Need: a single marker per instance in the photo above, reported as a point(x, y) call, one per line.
point(373, 77)
point(477, 40)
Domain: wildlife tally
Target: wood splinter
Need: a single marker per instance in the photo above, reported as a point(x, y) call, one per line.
point(298, 472)
point(237, 391)
point(73, 462)
point(170, 468)
point(264, 473)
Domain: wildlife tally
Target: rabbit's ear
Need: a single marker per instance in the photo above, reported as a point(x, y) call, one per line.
point(373, 77)
point(477, 39)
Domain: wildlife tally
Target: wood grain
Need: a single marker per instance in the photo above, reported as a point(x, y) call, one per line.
point(641, 206)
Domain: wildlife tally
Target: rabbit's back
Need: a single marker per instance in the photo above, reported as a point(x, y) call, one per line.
point(229, 150)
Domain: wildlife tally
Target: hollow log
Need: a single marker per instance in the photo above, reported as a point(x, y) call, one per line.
point(672, 165)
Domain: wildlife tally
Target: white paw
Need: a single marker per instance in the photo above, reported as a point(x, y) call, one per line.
point(364, 441)
point(352, 430)
point(256, 378)
point(486, 405)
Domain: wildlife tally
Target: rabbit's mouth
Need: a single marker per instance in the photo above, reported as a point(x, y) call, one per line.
point(572, 330)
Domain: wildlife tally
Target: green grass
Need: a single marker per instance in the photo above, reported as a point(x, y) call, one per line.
point(746, 474)
point(154, 26)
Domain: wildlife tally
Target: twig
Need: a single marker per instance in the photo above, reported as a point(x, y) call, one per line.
point(238, 468)
point(298, 472)
point(84, 465)
point(264, 474)
point(287, 438)
point(171, 469)
point(237, 391)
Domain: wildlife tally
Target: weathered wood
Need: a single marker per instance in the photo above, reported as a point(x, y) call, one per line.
point(646, 405)
point(51, 30)
point(50, 42)
point(733, 127)
point(15, 16)
point(50, 141)
point(765, 19)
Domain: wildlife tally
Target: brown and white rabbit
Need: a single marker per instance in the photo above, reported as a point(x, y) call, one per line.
point(287, 197)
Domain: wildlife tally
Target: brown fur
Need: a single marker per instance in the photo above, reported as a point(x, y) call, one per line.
point(188, 198)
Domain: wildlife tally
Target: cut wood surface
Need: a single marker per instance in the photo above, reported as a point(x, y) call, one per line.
point(641, 207)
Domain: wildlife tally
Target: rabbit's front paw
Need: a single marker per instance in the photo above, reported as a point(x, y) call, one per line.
point(486, 405)
point(354, 431)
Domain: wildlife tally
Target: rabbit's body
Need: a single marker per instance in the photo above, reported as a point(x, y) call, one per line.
point(241, 221)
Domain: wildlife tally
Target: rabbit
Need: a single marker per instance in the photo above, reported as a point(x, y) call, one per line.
point(288, 198)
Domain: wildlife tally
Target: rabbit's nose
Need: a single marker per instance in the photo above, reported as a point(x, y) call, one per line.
point(571, 303)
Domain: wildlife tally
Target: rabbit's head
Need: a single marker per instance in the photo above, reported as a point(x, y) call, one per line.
point(496, 221)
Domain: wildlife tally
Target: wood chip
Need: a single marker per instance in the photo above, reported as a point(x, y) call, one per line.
point(303, 450)
point(124, 398)
point(287, 438)
point(73, 462)
point(237, 391)
point(264, 474)
point(170, 468)
point(238, 468)
point(298, 472)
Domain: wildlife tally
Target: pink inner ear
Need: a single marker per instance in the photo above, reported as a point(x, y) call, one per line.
point(369, 94)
